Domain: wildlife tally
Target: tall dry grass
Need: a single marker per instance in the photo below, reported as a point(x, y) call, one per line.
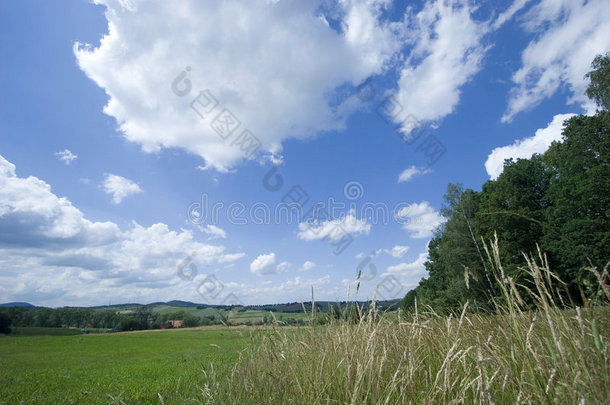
point(511, 356)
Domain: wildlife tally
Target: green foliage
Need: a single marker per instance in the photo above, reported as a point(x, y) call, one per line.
point(599, 89)
point(579, 197)
point(5, 323)
point(558, 201)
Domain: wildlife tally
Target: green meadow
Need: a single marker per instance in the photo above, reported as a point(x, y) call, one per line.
point(516, 353)
point(143, 367)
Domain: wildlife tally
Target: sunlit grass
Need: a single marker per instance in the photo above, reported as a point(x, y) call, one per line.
point(115, 368)
point(513, 355)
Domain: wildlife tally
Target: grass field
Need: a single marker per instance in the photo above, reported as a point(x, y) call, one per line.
point(512, 355)
point(38, 331)
point(115, 368)
point(551, 356)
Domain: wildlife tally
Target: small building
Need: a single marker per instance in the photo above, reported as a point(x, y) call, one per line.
point(175, 323)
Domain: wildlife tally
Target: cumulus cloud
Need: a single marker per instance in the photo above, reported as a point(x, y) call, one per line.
point(267, 264)
point(308, 265)
point(52, 254)
point(525, 148)
point(551, 60)
point(283, 267)
point(398, 251)
point(196, 75)
point(273, 65)
point(291, 290)
point(66, 156)
point(334, 229)
point(31, 215)
point(420, 219)
point(412, 171)
point(409, 270)
point(119, 187)
point(214, 231)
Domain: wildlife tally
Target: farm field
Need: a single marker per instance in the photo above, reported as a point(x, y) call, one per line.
point(115, 368)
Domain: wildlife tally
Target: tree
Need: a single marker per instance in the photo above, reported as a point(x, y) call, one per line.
point(5, 323)
point(579, 197)
point(513, 207)
point(453, 253)
point(190, 321)
point(599, 89)
point(558, 201)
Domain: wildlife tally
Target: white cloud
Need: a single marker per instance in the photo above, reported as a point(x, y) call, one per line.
point(279, 67)
point(308, 265)
point(291, 290)
point(119, 187)
point(264, 264)
point(51, 254)
point(32, 214)
point(447, 52)
point(274, 65)
point(412, 171)
point(267, 264)
point(283, 267)
point(334, 229)
point(509, 13)
point(66, 156)
point(420, 219)
point(398, 251)
point(575, 31)
point(525, 148)
point(414, 270)
point(214, 231)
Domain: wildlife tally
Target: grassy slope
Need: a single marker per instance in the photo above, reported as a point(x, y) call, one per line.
point(132, 367)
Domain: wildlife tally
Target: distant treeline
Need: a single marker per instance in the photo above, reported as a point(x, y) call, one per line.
point(140, 318)
point(321, 306)
point(558, 201)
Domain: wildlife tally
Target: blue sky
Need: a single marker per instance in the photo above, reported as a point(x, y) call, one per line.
point(104, 161)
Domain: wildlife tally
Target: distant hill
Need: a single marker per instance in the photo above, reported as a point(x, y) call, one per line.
point(18, 304)
point(322, 306)
point(289, 307)
point(178, 303)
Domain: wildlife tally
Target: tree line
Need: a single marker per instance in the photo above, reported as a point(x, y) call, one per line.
point(557, 202)
point(139, 318)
